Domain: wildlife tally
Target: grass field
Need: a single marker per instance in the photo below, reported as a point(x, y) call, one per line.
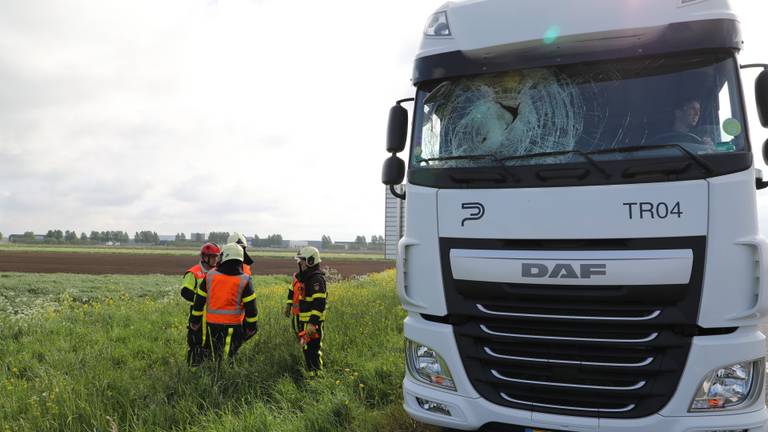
point(166, 250)
point(106, 353)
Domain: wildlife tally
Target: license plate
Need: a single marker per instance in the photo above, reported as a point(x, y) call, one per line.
point(539, 430)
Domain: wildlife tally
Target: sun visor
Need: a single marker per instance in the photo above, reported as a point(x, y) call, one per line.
point(616, 44)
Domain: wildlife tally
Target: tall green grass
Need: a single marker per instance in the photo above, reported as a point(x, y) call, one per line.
point(107, 353)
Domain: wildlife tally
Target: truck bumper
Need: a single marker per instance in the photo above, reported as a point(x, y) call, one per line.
point(468, 411)
point(472, 414)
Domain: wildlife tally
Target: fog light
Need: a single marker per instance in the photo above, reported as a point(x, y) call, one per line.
point(732, 386)
point(433, 407)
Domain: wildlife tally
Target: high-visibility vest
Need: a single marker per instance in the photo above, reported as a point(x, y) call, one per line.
point(199, 273)
point(298, 294)
point(247, 269)
point(225, 296)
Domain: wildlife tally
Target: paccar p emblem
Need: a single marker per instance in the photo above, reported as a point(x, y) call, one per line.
point(478, 210)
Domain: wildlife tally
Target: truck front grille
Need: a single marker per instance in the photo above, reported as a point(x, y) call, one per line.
point(601, 351)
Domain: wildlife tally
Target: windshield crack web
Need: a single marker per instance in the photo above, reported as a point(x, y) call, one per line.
point(513, 114)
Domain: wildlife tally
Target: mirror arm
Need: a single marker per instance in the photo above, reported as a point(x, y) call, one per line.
point(754, 65)
point(413, 99)
point(396, 193)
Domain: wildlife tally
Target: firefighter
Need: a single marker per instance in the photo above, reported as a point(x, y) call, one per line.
point(209, 255)
point(227, 297)
point(306, 305)
point(241, 240)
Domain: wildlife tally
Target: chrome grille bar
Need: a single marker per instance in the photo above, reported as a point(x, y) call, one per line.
point(648, 338)
point(501, 376)
point(645, 362)
point(650, 316)
point(629, 407)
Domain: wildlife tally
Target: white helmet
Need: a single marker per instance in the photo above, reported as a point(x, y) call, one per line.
point(231, 251)
point(310, 254)
point(236, 237)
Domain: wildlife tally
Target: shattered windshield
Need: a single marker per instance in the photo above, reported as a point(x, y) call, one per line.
point(691, 101)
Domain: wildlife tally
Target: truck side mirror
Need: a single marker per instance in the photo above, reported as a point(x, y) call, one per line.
point(765, 151)
point(393, 171)
point(397, 129)
point(761, 97)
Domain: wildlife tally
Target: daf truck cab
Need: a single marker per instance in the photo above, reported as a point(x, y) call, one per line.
point(581, 248)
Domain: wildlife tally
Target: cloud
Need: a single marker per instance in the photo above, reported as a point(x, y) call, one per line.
point(261, 116)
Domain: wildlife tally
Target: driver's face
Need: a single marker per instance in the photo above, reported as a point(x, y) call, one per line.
point(691, 112)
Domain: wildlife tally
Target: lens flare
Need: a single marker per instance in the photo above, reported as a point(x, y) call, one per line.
point(551, 34)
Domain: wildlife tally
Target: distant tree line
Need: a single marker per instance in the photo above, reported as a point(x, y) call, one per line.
point(147, 237)
point(57, 236)
point(272, 240)
point(360, 243)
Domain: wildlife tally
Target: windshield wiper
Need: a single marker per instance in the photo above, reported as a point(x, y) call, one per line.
point(691, 155)
point(468, 178)
point(586, 157)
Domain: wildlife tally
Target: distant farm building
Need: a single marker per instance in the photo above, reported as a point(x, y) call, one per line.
point(394, 221)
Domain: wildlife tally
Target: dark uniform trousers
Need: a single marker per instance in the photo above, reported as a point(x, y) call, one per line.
point(313, 351)
point(225, 340)
point(198, 351)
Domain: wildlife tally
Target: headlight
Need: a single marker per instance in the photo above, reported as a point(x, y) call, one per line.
point(427, 366)
point(437, 25)
point(730, 386)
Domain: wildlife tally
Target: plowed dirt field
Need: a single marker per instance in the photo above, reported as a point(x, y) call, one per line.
point(103, 263)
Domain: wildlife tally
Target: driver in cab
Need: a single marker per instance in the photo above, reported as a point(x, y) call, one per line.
point(686, 118)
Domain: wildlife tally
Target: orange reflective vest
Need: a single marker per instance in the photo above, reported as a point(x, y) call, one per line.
point(225, 295)
point(198, 271)
point(298, 294)
point(247, 269)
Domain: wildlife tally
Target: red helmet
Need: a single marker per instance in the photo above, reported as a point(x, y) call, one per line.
point(210, 249)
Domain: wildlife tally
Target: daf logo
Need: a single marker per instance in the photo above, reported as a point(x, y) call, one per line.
point(563, 271)
point(477, 211)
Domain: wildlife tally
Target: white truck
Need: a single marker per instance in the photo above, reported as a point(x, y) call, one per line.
point(581, 249)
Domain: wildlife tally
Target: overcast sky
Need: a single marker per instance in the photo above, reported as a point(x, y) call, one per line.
point(261, 116)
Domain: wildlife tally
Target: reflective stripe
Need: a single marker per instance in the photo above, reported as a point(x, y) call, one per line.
point(289, 301)
point(318, 295)
point(304, 316)
point(205, 327)
point(197, 313)
point(201, 293)
point(229, 341)
point(250, 320)
point(250, 298)
point(244, 279)
point(225, 311)
point(208, 279)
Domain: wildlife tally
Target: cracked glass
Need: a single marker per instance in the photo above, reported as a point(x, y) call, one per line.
point(523, 116)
